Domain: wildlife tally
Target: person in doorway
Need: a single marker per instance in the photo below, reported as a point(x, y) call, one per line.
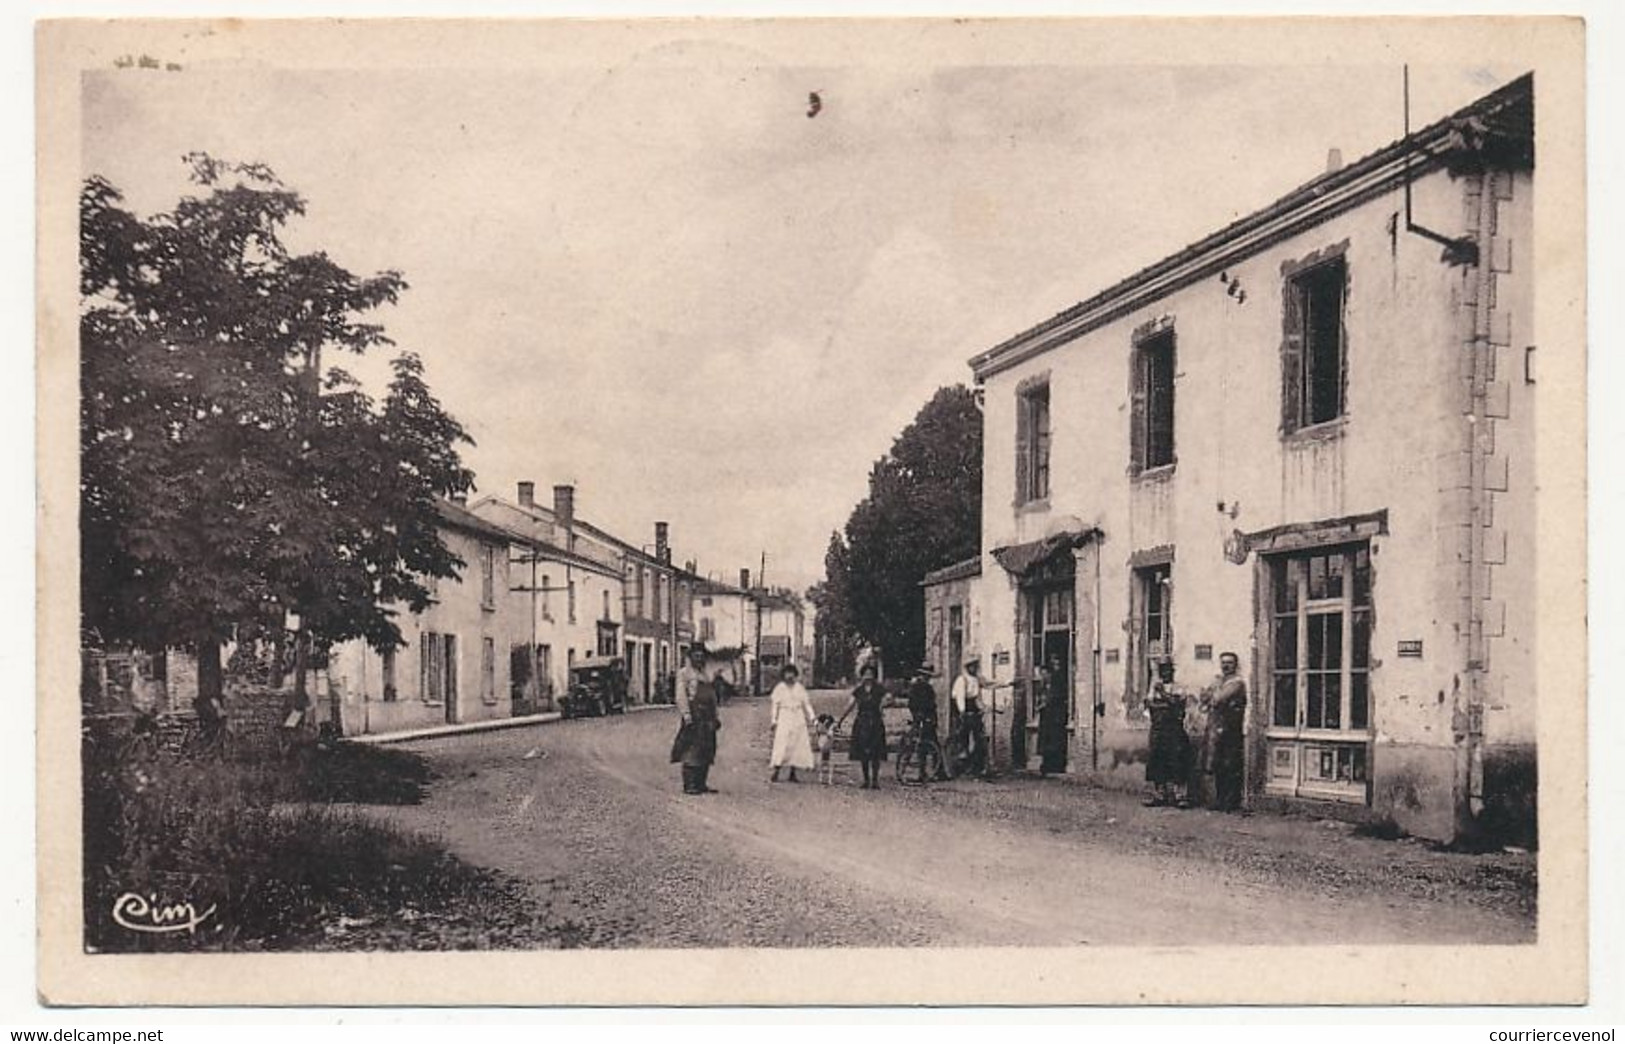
point(792, 724)
point(1167, 765)
point(967, 700)
point(868, 727)
point(1228, 714)
point(696, 745)
point(1054, 708)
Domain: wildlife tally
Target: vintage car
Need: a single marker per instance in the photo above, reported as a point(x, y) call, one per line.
point(597, 687)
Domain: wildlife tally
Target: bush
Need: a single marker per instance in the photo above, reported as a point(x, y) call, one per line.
point(266, 842)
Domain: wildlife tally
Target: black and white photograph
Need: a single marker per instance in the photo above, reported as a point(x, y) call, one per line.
point(770, 511)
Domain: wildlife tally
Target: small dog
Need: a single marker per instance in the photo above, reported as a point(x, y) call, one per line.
point(825, 741)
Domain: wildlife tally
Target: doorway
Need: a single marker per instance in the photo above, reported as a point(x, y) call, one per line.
point(1319, 701)
point(1048, 630)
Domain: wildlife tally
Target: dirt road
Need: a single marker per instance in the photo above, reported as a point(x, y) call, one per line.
point(589, 814)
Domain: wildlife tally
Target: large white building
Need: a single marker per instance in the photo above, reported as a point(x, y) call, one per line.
point(1306, 438)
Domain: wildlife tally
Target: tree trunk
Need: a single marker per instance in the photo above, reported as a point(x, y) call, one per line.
point(210, 678)
point(301, 664)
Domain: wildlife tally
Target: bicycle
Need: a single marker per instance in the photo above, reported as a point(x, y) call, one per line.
point(966, 750)
point(920, 757)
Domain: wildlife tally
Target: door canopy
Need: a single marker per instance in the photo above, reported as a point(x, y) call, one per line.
point(1024, 560)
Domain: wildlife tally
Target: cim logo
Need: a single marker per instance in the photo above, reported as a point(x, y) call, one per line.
point(146, 914)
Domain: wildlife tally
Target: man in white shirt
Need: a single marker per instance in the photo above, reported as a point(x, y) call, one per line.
point(967, 690)
point(967, 701)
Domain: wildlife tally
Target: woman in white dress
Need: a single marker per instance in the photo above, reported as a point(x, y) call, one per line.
point(792, 720)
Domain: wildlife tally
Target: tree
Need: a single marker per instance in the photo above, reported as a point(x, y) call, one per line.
point(834, 641)
point(223, 481)
point(923, 512)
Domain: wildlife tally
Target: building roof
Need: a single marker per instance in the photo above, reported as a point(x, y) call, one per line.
point(958, 571)
point(703, 586)
point(539, 547)
point(776, 599)
point(1497, 129)
point(458, 517)
point(548, 515)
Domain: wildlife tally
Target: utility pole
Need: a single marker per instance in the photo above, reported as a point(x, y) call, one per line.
point(761, 585)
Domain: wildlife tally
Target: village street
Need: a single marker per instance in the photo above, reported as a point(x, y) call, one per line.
point(589, 816)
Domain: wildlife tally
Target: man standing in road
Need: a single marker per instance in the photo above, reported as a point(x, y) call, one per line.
point(967, 700)
point(1228, 715)
point(922, 707)
point(696, 744)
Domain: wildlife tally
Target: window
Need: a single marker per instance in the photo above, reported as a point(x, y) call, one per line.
point(437, 667)
point(706, 601)
point(1153, 604)
point(643, 594)
point(1152, 441)
point(956, 641)
point(488, 670)
point(1320, 677)
point(547, 597)
point(520, 668)
point(1032, 444)
point(606, 615)
point(1314, 352)
point(388, 671)
point(708, 629)
point(606, 639)
point(570, 597)
point(488, 576)
point(662, 595)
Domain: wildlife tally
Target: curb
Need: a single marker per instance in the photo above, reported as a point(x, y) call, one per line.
point(434, 731)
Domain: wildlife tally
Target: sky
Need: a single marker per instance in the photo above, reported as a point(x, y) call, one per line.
point(660, 280)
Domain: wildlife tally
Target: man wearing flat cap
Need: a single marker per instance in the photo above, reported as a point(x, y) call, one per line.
point(922, 705)
point(967, 701)
point(696, 744)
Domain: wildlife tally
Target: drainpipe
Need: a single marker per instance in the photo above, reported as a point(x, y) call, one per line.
point(1094, 677)
point(1481, 360)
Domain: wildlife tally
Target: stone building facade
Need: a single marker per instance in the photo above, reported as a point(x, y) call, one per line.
point(1306, 438)
point(454, 665)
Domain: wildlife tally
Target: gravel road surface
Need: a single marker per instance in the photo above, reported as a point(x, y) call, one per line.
point(589, 816)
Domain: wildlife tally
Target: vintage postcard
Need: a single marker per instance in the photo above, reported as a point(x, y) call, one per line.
point(700, 511)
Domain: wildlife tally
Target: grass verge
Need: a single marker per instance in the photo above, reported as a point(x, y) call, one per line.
point(281, 855)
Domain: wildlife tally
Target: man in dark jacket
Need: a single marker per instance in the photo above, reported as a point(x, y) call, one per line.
point(922, 708)
point(1228, 712)
point(696, 745)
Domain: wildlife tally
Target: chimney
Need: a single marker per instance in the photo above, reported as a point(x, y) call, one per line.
point(691, 566)
point(564, 505)
point(527, 494)
point(1334, 160)
point(744, 579)
point(662, 547)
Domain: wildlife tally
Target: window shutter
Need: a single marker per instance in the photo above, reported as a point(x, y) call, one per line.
point(1024, 456)
point(1139, 366)
point(1292, 357)
point(1342, 341)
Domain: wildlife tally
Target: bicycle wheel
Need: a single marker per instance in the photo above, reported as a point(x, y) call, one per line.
point(906, 750)
point(931, 766)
